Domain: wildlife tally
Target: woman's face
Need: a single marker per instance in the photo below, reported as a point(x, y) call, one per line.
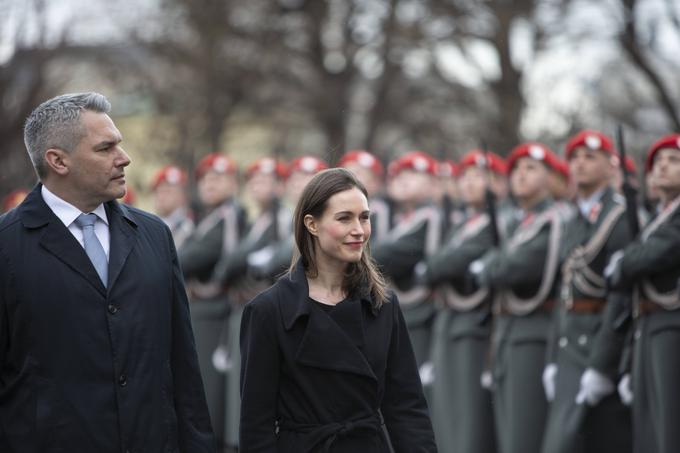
point(343, 229)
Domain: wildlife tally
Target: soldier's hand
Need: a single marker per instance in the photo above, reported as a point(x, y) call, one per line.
point(626, 390)
point(549, 377)
point(594, 387)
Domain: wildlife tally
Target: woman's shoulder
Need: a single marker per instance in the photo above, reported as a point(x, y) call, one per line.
point(266, 300)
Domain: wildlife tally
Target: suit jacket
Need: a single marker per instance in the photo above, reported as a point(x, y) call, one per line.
point(87, 368)
point(312, 381)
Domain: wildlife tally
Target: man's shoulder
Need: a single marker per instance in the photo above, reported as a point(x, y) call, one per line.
point(8, 220)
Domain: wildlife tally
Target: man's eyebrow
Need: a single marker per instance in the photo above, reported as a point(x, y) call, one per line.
point(107, 143)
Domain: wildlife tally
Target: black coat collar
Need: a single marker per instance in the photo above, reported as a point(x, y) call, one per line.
point(56, 239)
point(331, 341)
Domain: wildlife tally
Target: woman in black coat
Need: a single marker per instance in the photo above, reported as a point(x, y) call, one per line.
point(326, 361)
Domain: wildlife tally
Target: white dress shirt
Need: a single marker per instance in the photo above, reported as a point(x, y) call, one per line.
point(68, 213)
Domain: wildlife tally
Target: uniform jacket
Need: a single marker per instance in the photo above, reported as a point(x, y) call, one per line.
point(322, 377)
point(84, 368)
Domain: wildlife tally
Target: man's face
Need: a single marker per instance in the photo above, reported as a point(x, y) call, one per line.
point(413, 187)
point(168, 197)
point(473, 186)
point(590, 168)
point(529, 179)
point(666, 170)
point(96, 167)
point(214, 188)
point(263, 187)
point(370, 181)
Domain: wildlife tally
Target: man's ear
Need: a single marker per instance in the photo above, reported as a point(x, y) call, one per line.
point(310, 224)
point(57, 160)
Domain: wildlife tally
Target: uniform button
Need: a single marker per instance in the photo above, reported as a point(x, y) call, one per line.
point(122, 380)
point(113, 309)
point(563, 342)
point(582, 340)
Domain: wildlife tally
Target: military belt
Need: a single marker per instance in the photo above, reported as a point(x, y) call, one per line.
point(586, 305)
point(646, 306)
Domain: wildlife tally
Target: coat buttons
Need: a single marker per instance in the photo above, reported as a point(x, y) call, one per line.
point(112, 309)
point(122, 380)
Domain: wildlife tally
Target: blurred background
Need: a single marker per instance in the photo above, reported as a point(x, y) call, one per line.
point(292, 77)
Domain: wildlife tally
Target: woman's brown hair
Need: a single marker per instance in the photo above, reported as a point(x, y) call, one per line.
point(362, 276)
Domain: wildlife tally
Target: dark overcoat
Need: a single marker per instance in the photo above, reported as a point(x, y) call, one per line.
point(313, 381)
point(88, 368)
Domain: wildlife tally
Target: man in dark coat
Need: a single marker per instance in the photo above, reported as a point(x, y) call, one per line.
point(96, 347)
point(652, 265)
point(586, 413)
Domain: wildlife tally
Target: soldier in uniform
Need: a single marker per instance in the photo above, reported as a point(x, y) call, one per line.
point(451, 206)
point(462, 413)
point(651, 263)
point(523, 275)
point(586, 414)
point(368, 169)
point(416, 234)
point(210, 248)
point(272, 261)
point(169, 188)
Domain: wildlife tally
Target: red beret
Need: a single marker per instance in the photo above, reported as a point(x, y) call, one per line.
point(170, 174)
point(448, 169)
point(592, 140)
point(364, 159)
point(488, 159)
point(536, 151)
point(307, 164)
point(13, 199)
point(266, 165)
point(217, 162)
point(669, 141)
point(417, 161)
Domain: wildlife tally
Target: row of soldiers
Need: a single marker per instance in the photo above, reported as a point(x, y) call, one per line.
point(528, 294)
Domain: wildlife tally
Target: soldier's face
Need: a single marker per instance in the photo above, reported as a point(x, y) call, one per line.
point(412, 187)
point(343, 229)
point(473, 186)
point(366, 176)
point(529, 179)
point(168, 197)
point(214, 188)
point(666, 169)
point(262, 187)
point(590, 168)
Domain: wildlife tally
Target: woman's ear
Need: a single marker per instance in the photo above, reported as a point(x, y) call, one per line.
point(310, 224)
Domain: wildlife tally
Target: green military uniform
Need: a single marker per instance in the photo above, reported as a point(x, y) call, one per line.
point(587, 337)
point(653, 264)
point(210, 247)
point(398, 254)
point(523, 275)
point(461, 409)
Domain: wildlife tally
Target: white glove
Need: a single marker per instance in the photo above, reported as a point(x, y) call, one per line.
point(486, 380)
point(549, 375)
point(426, 373)
point(221, 360)
point(594, 387)
point(626, 390)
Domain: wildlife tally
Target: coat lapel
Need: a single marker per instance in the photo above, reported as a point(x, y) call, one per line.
point(122, 229)
point(329, 342)
point(57, 239)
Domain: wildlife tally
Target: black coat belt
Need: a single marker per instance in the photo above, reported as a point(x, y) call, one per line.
point(327, 434)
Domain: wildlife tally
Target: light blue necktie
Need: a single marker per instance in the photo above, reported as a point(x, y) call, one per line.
point(93, 247)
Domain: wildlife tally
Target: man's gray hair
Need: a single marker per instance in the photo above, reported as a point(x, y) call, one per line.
point(56, 124)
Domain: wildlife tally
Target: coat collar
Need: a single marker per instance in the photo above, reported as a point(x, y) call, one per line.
point(56, 239)
point(330, 341)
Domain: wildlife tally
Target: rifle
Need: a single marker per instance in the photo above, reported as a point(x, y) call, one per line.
point(490, 199)
point(629, 192)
